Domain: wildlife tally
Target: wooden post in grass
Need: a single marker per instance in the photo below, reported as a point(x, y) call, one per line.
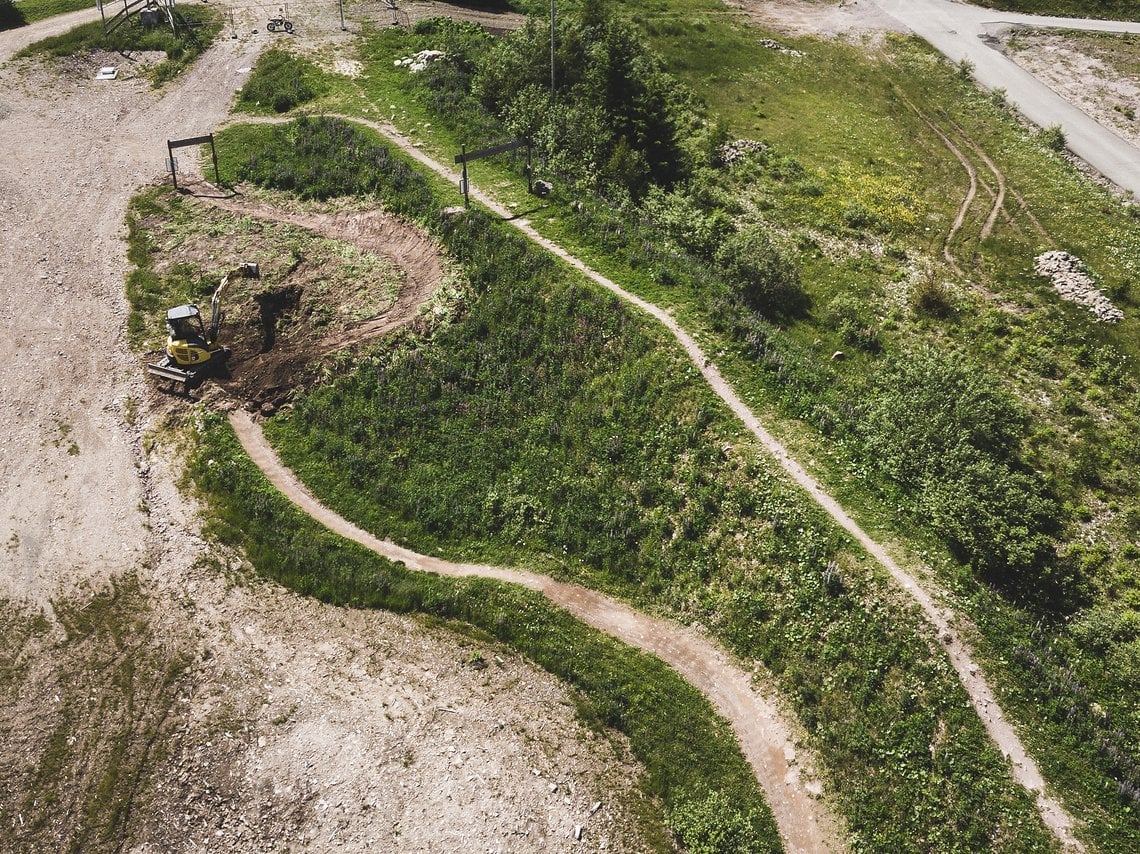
point(463, 180)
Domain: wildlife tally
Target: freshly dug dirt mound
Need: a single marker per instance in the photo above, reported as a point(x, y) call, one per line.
point(280, 334)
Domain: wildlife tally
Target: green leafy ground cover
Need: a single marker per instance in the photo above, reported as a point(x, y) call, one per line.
point(201, 26)
point(853, 184)
point(1122, 10)
point(25, 12)
point(548, 426)
point(692, 761)
point(279, 82)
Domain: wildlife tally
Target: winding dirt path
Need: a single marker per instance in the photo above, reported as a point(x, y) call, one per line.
point(418, 257)
point(1023, 768)
point(804, 822)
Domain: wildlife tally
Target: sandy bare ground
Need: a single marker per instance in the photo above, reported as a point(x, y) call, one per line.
point(152, 696)
point(1071, 68)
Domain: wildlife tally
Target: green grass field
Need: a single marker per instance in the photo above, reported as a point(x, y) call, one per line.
point(858, 182)
point(25, 12)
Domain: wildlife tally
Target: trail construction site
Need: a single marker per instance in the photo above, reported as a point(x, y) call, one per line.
point(151, 689)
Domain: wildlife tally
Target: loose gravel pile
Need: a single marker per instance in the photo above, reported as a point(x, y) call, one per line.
point(738, 149)
point(1073, 282)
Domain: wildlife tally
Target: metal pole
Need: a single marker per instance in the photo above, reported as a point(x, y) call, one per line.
point(342, 14)
point(170, 157)
point(551, 50)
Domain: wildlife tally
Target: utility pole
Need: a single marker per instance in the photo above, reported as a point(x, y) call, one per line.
point(552, 50)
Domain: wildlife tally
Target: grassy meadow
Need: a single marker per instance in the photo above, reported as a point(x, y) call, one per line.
point(979, 425)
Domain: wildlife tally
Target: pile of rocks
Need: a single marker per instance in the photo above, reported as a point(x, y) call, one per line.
point(420, 61)
point(738, 149)
point(1073, 283)
point(772, 44)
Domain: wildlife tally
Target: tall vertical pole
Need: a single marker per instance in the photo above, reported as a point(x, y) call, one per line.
point(463, 180)
point(170, 158)
point(214, 153)
point(551, 50)
point(342, 14)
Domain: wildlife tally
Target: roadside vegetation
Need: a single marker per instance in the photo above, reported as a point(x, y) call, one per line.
point(1113, 10)
point(971, 412)
point(25, 12)
point(200, 26)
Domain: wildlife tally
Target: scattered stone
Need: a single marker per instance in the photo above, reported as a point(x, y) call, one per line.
point(772, 44)
point(738, 149)
point(1072, 281)
point(420, 61)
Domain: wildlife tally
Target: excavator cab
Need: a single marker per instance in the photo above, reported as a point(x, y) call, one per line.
point(187, 343)
point(192, 348)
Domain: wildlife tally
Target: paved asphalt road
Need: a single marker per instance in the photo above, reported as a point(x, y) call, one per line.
point(968, 32)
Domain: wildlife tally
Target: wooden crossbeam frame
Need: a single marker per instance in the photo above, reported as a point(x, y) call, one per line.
point(466, 157)
point(208, 139)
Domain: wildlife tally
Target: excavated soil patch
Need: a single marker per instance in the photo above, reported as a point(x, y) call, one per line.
point(329, 283)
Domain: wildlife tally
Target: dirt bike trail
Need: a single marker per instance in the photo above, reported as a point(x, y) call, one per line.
point(1022, 766)
point(803, 819)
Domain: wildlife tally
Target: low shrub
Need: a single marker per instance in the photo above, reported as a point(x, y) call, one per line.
point(279, 81)
point(762, 275)
point(321, 158)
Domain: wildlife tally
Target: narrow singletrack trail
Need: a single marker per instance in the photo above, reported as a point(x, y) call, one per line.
point(804, 821)
point(1023, 768)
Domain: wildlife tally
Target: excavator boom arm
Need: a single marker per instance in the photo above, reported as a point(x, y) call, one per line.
point(249, 271)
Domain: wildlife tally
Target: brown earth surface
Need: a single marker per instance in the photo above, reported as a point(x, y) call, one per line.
point(280, 333)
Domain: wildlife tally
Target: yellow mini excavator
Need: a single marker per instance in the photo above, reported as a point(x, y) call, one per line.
point(192, 349)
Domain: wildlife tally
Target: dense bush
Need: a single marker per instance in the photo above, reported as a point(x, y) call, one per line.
point(11, 16)
point(944, 431)
point(763, 276)
point(617, 120)
point(320, 158)
point(280, 81)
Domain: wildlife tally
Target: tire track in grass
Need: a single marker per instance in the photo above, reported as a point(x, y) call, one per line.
point(804, 820)
point(971, 193)
point(999, 202)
